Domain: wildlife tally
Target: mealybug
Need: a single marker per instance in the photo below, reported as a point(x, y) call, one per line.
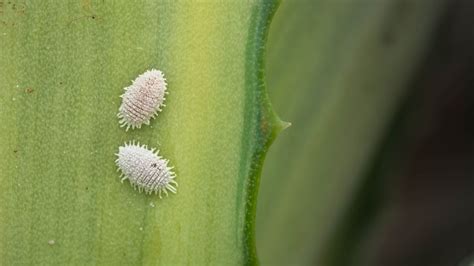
point(145, 169)
point(143, 99)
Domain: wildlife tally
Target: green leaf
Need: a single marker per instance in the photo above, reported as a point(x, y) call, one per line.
point(63, 66)
point(337, 70)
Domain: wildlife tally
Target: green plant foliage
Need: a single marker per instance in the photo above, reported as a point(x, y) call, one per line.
point(63, 66)
point(337, 70)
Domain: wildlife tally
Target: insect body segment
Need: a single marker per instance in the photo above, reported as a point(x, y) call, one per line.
point(145, 169)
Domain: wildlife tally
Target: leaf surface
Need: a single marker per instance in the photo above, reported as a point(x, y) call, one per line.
point(63, 66)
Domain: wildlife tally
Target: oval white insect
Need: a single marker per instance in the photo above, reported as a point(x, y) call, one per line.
point(145, 169)
point(143, 99)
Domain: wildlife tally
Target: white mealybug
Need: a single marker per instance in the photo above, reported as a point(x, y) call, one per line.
point(143, 99)
point(145, 169)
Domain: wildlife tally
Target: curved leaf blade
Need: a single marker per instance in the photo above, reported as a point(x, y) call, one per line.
point(64, 68)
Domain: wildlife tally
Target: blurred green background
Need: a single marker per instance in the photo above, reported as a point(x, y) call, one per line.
point(377, 167)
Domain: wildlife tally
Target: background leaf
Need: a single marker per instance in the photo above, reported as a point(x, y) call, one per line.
point(337, 70)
